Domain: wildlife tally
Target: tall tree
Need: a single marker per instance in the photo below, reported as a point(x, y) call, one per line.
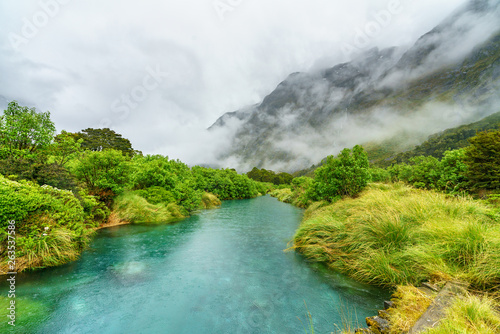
point(101, 139)
point(24, 128)
point(482, 158)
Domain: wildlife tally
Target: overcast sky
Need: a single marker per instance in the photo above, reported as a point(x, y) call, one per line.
point(160, 72)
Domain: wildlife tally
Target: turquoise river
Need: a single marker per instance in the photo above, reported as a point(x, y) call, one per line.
point(220, 271)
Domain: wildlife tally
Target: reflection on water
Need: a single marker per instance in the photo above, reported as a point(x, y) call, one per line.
point(221, 271)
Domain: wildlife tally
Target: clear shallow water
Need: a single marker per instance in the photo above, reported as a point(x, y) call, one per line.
point(221, 271)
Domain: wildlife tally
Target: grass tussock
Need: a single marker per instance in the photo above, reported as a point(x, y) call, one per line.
point(471, 314)
point(56, 247)
point(284, 195)
point(210, 201)
point(396, 235)
point(137, 210)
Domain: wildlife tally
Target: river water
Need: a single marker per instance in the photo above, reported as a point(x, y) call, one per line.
point(219, 271)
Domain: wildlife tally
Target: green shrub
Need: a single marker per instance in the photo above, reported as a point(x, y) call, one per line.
point(263, 187)
point(226, 184)
point(426, 172)
point(268, 176)
point(301, 189)
point(20, 201)
point(345, 175)
point(95, 211)
point(187, 197)
point(158, 171)
point(379, 175)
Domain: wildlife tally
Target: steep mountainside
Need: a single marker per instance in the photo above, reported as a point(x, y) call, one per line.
point(449, 77)
point(451, 139)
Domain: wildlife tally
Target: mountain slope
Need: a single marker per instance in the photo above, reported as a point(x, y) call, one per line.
point(449, 77)
point(384, 154)
point(451, 139)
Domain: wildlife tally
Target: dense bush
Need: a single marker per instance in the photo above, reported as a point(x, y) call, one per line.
point(55, 175)
point(21, 200)
point(158, 171)
point(420, 172)
point(225, 183)
point(345, 175)
point(156, 195)
point(430, 173)
point(187, 196)
point(264, 175)
point(379, 175)
point(20, 164)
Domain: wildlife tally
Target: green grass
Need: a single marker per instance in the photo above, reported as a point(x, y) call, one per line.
point(394, 234)
point(283, 195)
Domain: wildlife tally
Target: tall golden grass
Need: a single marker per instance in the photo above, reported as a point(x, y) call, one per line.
point(393, 234)
point(137, 210)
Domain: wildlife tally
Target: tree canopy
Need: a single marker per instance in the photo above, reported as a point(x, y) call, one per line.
point(24, 128)
point(264, 175)
point(101, 139)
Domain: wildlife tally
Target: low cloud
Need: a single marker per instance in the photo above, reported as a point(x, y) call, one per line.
point(87, 55)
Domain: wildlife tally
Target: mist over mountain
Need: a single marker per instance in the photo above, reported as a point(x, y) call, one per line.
point(449, 77)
